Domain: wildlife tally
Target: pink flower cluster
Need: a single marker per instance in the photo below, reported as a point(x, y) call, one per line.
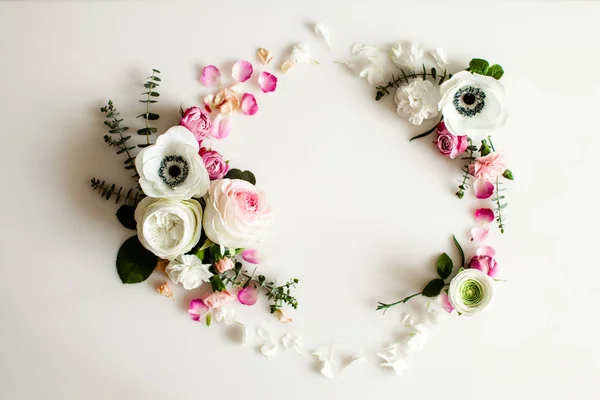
point(450, 145)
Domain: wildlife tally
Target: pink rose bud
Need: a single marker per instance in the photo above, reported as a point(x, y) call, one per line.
point(450, 145)
point(484, 261)
point(224, 264)
point(217, 299)
point(197, 121)
point(214, 163)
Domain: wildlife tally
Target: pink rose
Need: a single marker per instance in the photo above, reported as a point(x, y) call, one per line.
point(488, 168)
point(224, 264)
point(196, 121)
point(484, 261)
point(214, 163)
point(450, 145)
point(217, 299)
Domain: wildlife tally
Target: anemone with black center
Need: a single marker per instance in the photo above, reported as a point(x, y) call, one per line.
point(173, 170)
point(469, 101)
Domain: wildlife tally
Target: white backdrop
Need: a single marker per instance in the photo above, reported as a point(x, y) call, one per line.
point(361, 214)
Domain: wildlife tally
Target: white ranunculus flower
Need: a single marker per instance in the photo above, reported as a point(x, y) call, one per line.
point(168, 228)
point(472, 104)
point(188, 270)
point(417, 101)
point(471, 291)
point(236, 213)
point(406, 54)
point(172, 168)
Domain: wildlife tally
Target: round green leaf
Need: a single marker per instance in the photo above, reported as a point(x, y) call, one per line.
point(134, 262)
point(126, 218)
point(444, 266)
point(433, 288)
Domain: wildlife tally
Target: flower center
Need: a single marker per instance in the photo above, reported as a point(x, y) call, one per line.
point(469, 101)
point(471, 292)
point(173, 170)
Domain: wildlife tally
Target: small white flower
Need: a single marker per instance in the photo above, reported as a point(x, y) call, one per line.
point(168, 228)
point(172, 168)
point(472, 104)
point(417, 101)
point(471, 291)
point(301, 54)
point(189, 271)
point(406, 54)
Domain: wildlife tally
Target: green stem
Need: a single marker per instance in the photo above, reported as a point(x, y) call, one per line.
point(383, 306)
point(491, 144)
point(463, 186)
point(499, 208)
point(395, 82)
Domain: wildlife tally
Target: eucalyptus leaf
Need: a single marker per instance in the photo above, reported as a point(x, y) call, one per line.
point(125, 216)
point(134, 262)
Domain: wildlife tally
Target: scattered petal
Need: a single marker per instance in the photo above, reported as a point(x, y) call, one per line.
point(325, 357)
point(224, 315)
point(197, 309)
point(269, 348)
point(249, 106)
point(211, 76)
point(264, 56)
point(486, 251)
point(230, 104)
point(443, 301)
point(292, 342)
point(165, 290)
point(367, 67)
point(406, 54)
point(282, 316)
point(355, 359)
point(408, 320)
point(484, 215)
point(248, 295)
point(479, 234)
point(483, 190)
point(441, 58)
point(235, 87)
point(361, 49)
point(221, 126)
point(209, 101)
point(219, 98)
point(323, 32)
point(252, 256)
point(242, 71)
point(287, 66)
point(267, 82)
point(244, 337)
point(399, 366)
point(301, 54)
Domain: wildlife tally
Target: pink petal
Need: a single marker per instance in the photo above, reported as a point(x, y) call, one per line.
point(479, 234)
point(445, 303)
point(267, 82)
point(484, 215)
point(248, 295)
point(483, 190)
point(252, 256)
point(242, 71)
point(486, 251)
point(249, 106)
point(209, 102)
point(221, 126)
point(197, 309)
point(211, 76)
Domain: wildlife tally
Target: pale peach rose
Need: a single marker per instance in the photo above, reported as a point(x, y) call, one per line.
point(224, 264)
point(217, 299)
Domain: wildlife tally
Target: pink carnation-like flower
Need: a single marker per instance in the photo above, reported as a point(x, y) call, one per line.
point(450, 145)
point(197, 121)
point(484, 261)
point(215, 164)
point(217, 299)
point(224, 264)
point(488, 168)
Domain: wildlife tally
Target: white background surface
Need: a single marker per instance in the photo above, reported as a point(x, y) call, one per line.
point(361, 213)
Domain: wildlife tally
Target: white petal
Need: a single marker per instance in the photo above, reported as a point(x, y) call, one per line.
point(361, 49)
point(440, 57)
point(244, 338)
point(269, 348)
point(325, 357)
point(322, 32)
point(356, 359)
point(292, 342)
point(224, 315)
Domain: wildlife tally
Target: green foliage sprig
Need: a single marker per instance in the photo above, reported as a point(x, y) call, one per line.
point(464, 184)
point(482, 67)
point(151, 84)
point(115, 128)
point(444, 268)
point(396, 81)
point(109, 190)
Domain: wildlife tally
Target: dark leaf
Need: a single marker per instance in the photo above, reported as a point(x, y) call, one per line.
point(134, 262)
point(444, 266)
point(243, 175)
point(508, 175)
point(495, 71)
point(145, 131)
point(156, 78)
point(433, 73)
point(422, 135)
point(152, 116)
point(126, 218)
point(433, 288)
point(155, 70)
point(150, 85)
point(147, 101)
point(478, 66)
point(217, 284)
point(460, 250)
point(155, 94)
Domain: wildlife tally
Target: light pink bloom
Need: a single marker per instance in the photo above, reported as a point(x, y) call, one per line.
point(249, 106)
point(483, 190)
point(484, 215)
point(450, 145)
point(248, 295)
point(487, 168)
point(445, 303)
point(221, 126)
point(267, 82)
point(479, 234)
point(242, 71)
point(224, 264)
point(197, 309)
point(217, 299)
point(196, 121)
point(252, 256)
point(484, 261)
point(214, 163)
point(211, 76)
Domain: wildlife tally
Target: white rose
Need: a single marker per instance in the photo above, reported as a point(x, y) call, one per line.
point(472, 104)
point(168, 228)
point(471, 291)
point(236, 213)
point(417, 101)
point(188, 270)
point(172, 168)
